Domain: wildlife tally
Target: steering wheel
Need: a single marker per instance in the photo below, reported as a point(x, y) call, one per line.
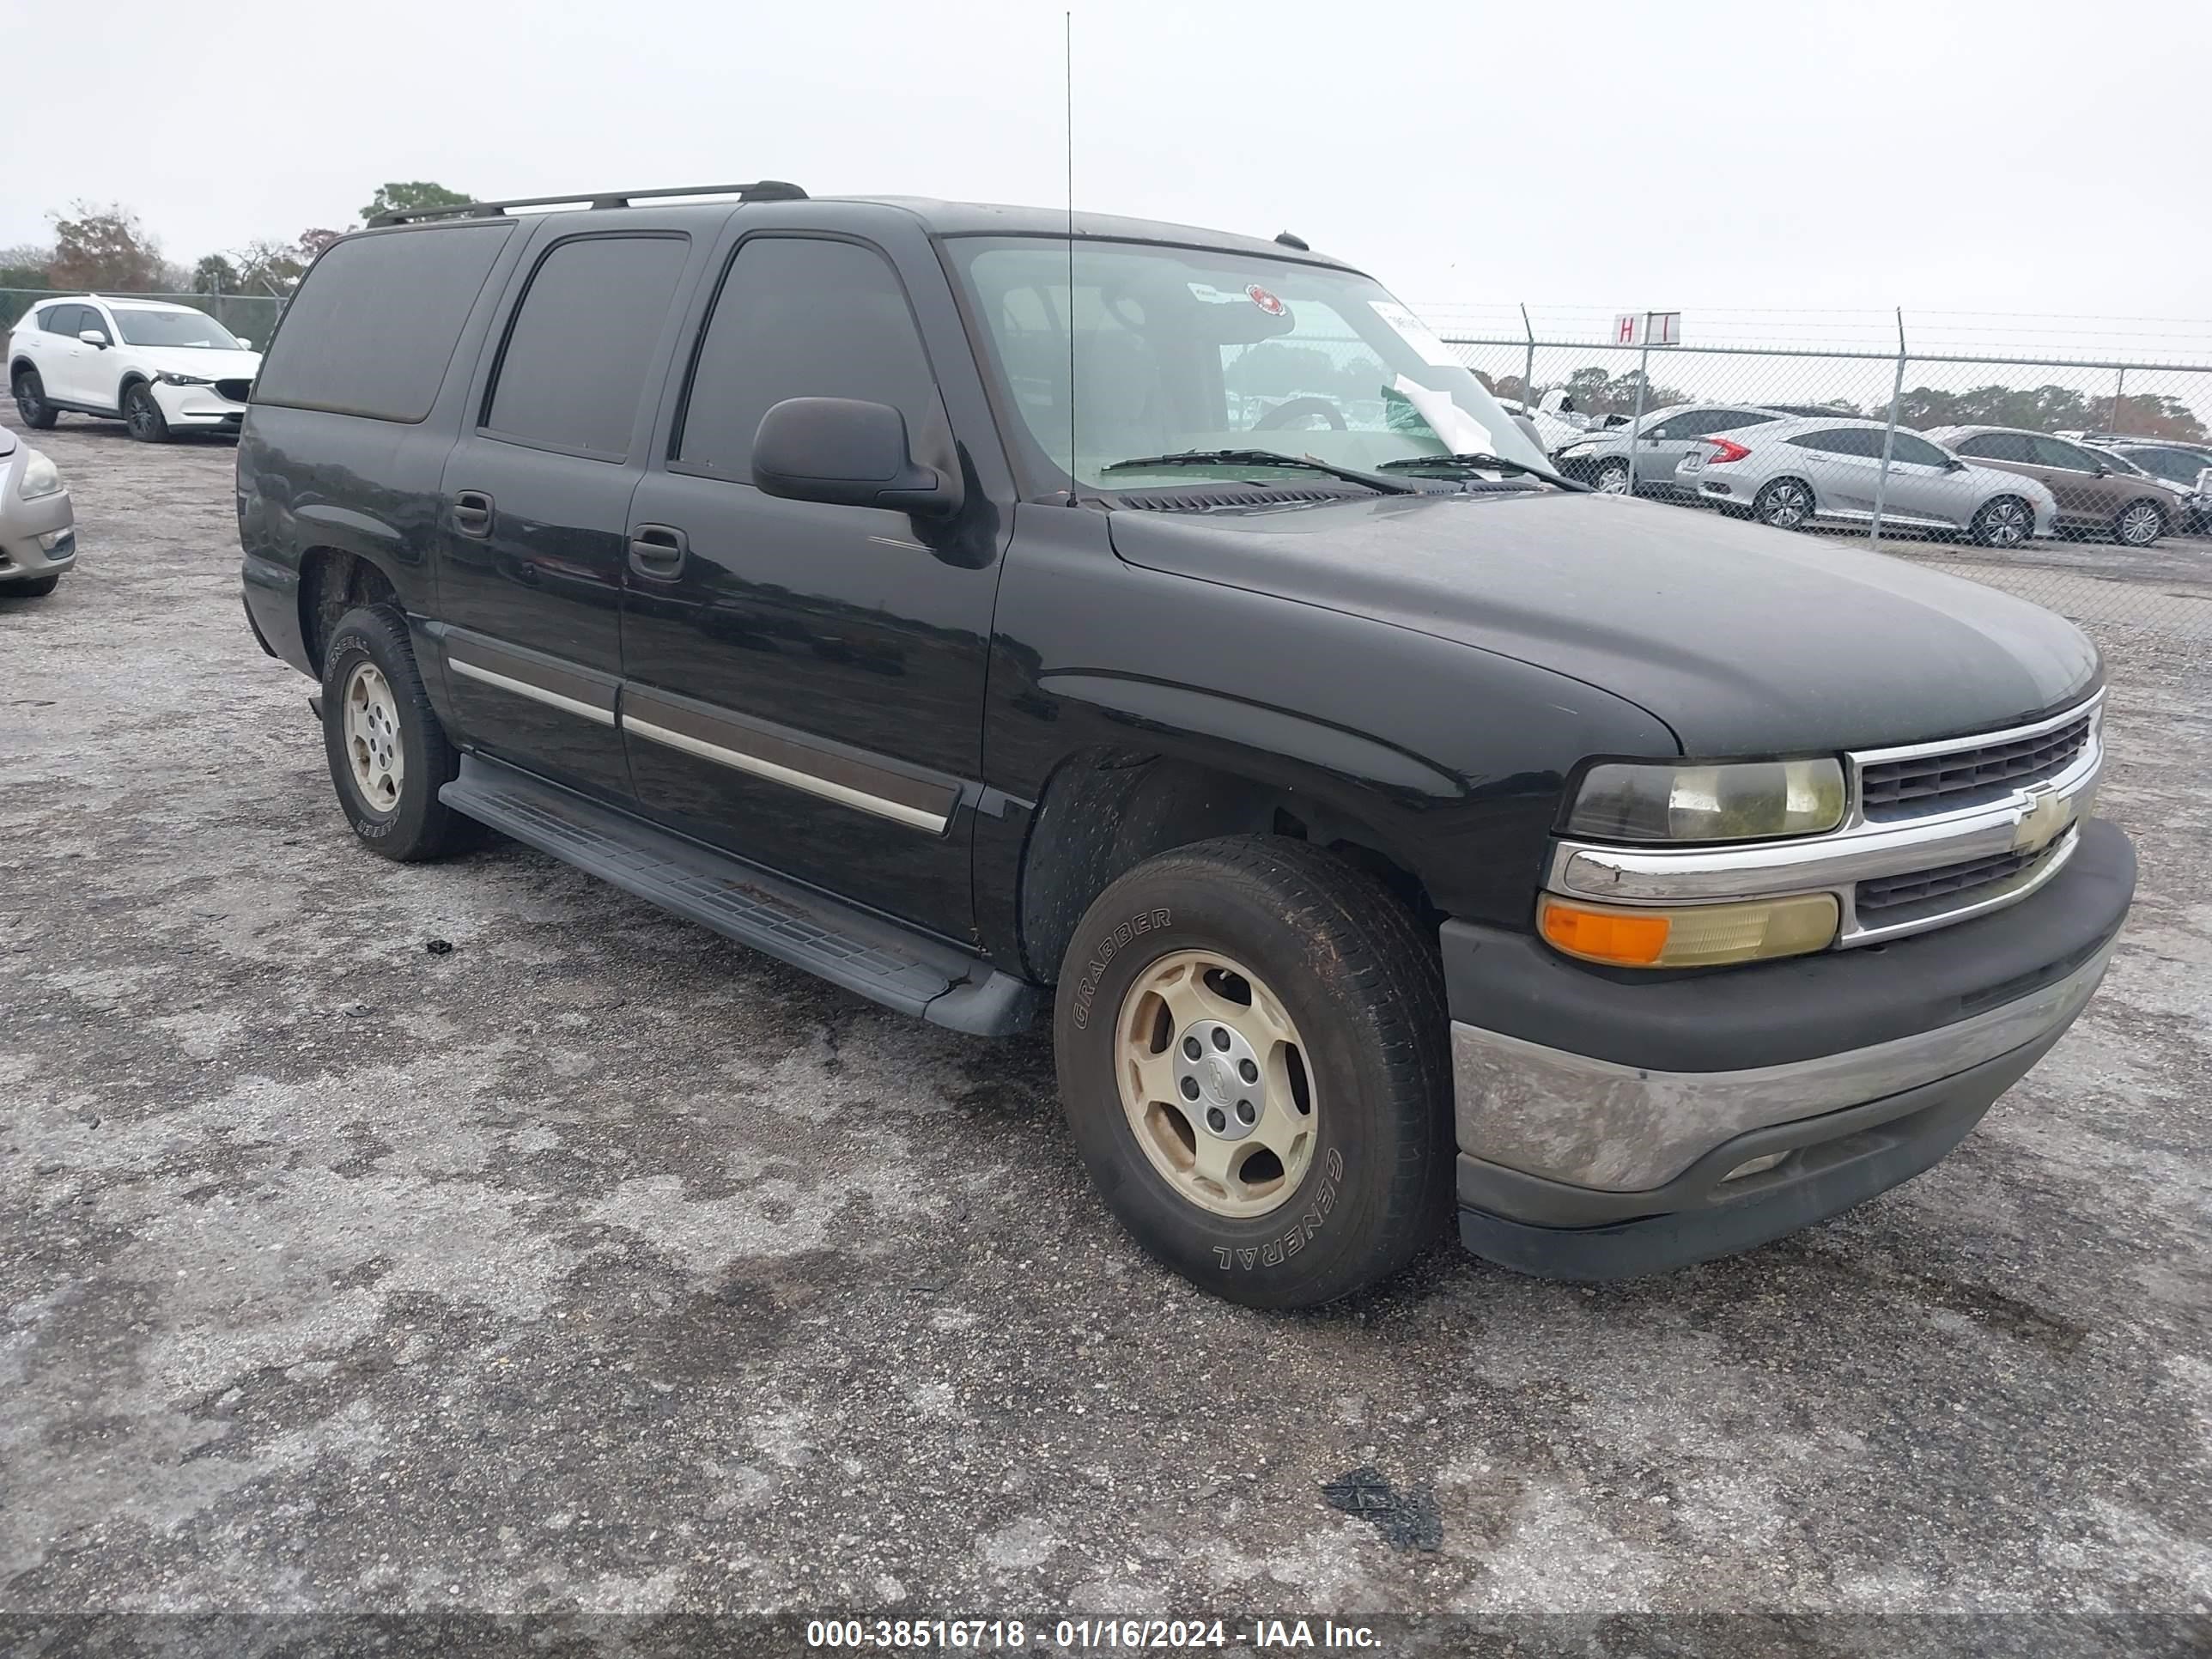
point(1291, 408)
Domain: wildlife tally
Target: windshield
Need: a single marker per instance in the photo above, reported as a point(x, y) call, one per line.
point(174, 328)
point(1177, 349)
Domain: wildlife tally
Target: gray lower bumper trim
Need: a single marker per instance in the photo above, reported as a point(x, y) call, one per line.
point(1597, 1123)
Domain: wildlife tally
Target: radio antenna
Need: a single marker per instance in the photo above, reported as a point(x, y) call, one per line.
point(1067, 64)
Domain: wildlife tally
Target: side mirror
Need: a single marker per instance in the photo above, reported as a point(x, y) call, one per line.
point(852, 453)
point(1954, 465)
point(245, 341)
point(94, 337)
point(2102, 472)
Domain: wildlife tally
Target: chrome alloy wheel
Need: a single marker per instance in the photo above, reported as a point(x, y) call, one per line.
point(1215, 1082)
point(372, 739)
point(1786, 506)
point(2007, 523)
point(2140, 524)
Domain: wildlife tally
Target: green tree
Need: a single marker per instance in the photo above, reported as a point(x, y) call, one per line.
point(412, 197)
point(104, 248)
point(215, 275)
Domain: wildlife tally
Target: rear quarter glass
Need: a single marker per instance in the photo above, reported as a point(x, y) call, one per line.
point(374, 326)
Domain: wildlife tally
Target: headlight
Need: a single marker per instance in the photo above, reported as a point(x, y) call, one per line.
point(1748, 800)
point(170, 377)
point(1689, 935)
point(40, 477)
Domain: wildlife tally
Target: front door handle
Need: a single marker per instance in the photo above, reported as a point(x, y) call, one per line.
point(657, 551)
point(472, 513)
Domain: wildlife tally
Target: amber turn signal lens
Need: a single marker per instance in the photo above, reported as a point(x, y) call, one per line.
point(1634, 939)
point(1689, 936)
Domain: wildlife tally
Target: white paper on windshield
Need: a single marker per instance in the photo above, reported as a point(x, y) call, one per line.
point(1415, 333)
point(1461, 433)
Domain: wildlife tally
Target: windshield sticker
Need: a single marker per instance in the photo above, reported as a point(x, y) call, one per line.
point(1416, 333)
point(1209, 295)
point(1462, 435)
point(1266, 302)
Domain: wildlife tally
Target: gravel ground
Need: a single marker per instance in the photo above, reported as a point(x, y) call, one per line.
point(600, 1265)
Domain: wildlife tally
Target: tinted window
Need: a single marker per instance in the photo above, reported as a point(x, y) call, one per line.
point(1996, 447)
point(1688, 424)
point(579, 349)
point(801, 318)
point(1731, 420)
point(1917, 452)
point(1844, 440)
point(54, 319)
point(2049, 452)
point(70, 320)
point(2179, 464)
point(374, 325)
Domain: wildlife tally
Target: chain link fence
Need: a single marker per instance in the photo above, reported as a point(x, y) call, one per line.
point(250, 316)
point(2103, 434)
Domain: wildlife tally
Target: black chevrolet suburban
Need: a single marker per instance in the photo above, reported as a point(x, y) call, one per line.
point(1009, 616)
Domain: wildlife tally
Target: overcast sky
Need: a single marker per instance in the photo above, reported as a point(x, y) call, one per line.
point(1784, 154)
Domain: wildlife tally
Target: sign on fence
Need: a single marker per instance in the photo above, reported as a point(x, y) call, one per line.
point(1652, 328)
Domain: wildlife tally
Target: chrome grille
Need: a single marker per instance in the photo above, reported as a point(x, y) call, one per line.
point(1890, 892)
point(1889, 790)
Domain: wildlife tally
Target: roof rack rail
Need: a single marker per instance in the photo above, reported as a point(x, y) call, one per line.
point(762, 190)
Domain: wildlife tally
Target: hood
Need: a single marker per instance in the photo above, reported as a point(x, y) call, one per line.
point(208, 364)
point(1745, 641)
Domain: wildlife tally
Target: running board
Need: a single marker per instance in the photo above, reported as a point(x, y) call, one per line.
point(880, 959)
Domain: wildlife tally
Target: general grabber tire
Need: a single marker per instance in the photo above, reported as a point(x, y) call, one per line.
point(1253, 1052)
point(388, 753)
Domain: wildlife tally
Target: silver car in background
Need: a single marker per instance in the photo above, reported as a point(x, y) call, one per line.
point(1793, 473)
point(1657, 445)
point(38, 525)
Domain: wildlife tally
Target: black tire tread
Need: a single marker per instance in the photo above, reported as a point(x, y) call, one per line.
point(46, 415)
point(431, 755)
point(1389, 961)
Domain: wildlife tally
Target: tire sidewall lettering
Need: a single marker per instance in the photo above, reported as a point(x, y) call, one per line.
point(1283, 1246)
point(1115, 940)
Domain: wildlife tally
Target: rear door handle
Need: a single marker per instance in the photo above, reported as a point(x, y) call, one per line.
point(472, 513)
point(657, 551)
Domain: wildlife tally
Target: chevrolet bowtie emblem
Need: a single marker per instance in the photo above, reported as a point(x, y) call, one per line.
point(2042, 823)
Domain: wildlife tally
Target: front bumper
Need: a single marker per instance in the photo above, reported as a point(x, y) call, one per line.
point(200, 406)
point(37, 536)
point(1601, 1114)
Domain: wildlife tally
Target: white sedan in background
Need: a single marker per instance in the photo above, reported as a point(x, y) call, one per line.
point(38, 525)
point(1794, 473)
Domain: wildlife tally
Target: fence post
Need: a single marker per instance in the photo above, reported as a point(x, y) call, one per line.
point(1528, 367)
point(1888, 435)
point(1642, 381)
point(2119, 390)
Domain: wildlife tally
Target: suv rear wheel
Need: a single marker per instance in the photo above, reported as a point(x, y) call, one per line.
point(388, 755)
point(1252, 1047)
point(31, 401)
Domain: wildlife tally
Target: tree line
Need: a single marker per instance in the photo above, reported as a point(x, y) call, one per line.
point(97, 249)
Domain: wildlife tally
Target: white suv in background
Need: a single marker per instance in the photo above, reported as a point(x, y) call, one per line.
point(157, 368)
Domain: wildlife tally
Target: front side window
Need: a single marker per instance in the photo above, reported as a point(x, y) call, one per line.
point(582, 342)
point(1916, 451)
point(2049, 452)
point(1159, 350)
point(801, 317)
point(171, 328)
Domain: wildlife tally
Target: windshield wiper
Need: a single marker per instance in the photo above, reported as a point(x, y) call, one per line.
point(1478, 462)
point(1262, 458)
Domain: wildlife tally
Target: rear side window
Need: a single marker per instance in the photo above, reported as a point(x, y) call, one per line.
point(800, 318)
point(1844, 441)
point(373, 328)
point(1734, 419)
point(582, 343)
point(1997, 446)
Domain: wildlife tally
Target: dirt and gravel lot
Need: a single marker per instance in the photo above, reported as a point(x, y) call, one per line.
point(598, 1264)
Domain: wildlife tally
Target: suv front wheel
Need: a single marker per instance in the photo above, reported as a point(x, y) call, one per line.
point(388, 755)
point(1252, 1047)
point(144, 415)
